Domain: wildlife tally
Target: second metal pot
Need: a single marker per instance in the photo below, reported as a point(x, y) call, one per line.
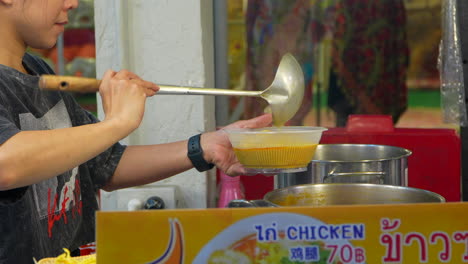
point(352, 163)
point(341, 194)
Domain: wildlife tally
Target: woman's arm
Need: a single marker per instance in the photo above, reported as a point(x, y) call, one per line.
point(145, 164)
point(32, 156)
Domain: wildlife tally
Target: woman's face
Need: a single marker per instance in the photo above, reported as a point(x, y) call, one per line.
point(38, 23)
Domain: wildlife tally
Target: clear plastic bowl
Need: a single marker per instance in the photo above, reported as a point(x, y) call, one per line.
point(273, 150)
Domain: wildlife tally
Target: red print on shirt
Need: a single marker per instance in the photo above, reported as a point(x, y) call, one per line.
point(77, 206)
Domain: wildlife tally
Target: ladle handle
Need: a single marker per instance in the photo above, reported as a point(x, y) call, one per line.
point(69, 83)
point(91, 85)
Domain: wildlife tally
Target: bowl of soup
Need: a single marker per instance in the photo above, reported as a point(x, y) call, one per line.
point(274, 150)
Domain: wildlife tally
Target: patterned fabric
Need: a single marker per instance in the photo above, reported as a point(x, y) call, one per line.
point(369, 58)
point(273, 29)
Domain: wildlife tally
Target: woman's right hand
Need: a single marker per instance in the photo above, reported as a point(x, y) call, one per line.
point(123, 96)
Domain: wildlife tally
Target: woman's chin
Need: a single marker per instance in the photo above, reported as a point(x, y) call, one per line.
point(44, 45)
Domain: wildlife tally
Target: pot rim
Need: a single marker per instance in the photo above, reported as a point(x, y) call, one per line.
point(406, 153)
point(277, 130)
point(371, 185)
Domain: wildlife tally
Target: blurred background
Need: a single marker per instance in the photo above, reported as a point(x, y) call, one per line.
point(358, 56)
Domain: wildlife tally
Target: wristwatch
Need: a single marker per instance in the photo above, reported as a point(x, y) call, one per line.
point(195, 154)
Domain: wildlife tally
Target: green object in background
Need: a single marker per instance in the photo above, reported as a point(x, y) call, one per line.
point(416, 98)
point(424, 98)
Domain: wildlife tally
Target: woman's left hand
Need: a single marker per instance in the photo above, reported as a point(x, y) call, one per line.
point(217, 148)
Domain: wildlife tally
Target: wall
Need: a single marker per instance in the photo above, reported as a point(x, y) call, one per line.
point(167, 42)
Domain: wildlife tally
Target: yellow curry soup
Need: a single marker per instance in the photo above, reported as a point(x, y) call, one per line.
point(276, 157)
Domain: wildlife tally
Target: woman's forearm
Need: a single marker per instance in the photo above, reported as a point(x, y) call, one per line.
point(145, 164)
point(33, 156)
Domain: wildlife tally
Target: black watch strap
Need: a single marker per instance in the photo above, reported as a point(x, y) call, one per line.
point(195, 154)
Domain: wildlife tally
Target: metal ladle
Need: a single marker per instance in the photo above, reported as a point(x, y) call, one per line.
point(284, 95)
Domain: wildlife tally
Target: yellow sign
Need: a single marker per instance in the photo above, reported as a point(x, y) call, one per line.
point(407, 233)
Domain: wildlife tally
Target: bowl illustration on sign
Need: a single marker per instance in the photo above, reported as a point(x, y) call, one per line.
point(280, 238)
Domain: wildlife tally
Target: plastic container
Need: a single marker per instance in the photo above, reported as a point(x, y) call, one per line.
point(230, 188)
point(275, 150)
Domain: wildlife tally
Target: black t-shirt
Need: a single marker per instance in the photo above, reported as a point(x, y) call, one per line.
point(40, 220)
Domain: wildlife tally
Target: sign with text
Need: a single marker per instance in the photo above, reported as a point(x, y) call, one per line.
point(407, 233)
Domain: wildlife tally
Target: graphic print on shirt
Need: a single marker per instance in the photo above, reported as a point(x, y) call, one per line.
point(63, 192)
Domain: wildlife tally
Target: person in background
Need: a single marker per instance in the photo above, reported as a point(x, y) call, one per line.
point(55, 156)
point(370, 58)
point(276, 27)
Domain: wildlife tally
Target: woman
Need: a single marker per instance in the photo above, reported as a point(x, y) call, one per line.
point(54, 155)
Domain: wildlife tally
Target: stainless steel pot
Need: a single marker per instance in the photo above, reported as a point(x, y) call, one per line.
point(341, 194)
point(352, 163)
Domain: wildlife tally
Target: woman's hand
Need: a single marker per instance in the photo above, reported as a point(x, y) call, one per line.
point(123, 97)
point(217, 148)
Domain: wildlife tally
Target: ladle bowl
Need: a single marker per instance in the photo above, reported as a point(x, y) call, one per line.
point(284, 95)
